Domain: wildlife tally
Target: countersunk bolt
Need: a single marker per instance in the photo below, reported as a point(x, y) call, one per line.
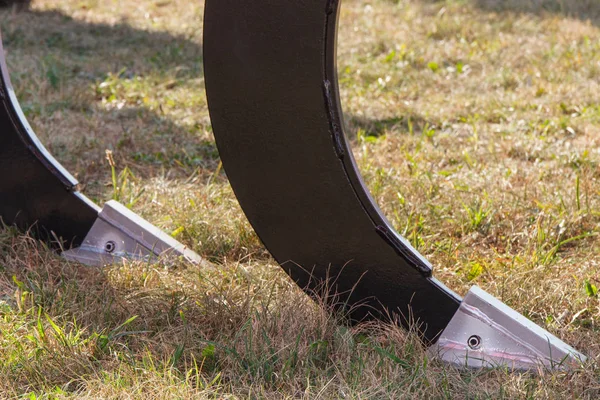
point(110, 247)
point(474, 342)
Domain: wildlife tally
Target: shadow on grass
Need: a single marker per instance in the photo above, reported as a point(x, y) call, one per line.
point(408, 123)
point(581, 9)
point(17, 4)
point(73, 67)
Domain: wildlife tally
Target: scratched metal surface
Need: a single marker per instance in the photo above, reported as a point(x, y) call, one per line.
point(36, 193)
point(273, 97)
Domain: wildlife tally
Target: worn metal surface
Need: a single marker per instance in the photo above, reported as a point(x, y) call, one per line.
point(487, 333)
point(120, 233)
point(36, 192)
point(272, 89)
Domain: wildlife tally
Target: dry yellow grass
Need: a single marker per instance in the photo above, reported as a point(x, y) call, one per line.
point(475, 123)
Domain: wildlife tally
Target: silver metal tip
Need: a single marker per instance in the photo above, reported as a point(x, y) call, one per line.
point(119, 233)
point(486, 333)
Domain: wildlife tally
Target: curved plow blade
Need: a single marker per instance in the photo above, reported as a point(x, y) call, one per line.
point(39, 195)
point(271, 81)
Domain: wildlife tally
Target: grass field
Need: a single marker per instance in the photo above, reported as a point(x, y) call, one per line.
point(476, 124)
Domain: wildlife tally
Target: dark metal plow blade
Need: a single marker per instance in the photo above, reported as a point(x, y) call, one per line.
point(273, 95)
point(35, 191)
point(39, 195)
point(270, 69)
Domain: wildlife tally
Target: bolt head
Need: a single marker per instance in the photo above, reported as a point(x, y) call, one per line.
point(474, 342)
point(110, 247)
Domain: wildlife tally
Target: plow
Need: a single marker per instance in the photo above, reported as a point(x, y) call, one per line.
point(273, 96)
